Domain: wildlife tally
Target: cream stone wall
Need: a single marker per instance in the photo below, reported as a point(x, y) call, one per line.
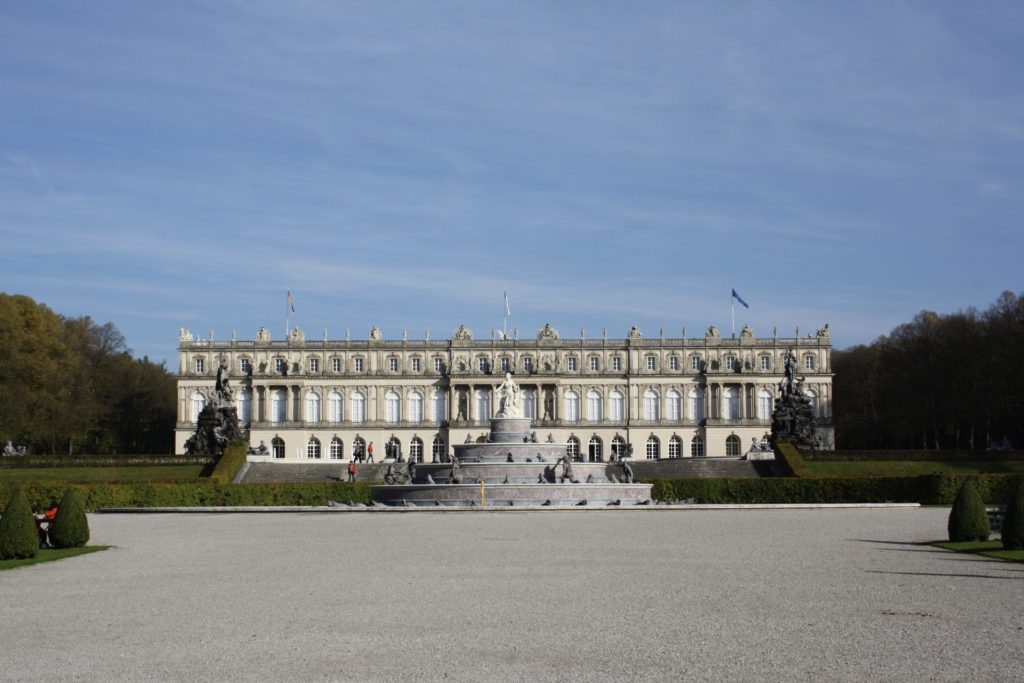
point(734, 375)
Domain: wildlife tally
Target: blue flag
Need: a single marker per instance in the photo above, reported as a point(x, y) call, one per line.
point(740, 299)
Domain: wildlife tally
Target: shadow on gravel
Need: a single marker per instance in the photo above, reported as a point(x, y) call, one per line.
point(956, 576)
point(913, 543)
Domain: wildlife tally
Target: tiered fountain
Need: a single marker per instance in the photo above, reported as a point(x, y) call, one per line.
point(512, 469)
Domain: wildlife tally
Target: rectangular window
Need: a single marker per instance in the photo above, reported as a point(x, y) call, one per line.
point(504, 364)
point(809, 362)
point(335, 365)
point(695, 363)
point(673, 363)
point(527, 364)
point(766, 363)
point(652, 362)
point(359, 364)
point(438, 365)
point(279, 366)
point(570, 363)
point(200, 366)
point(416, 365)
point(730, 363)
point(483, 365)
point(392, 365)
point(314, 365)
point(616, 363)
point(593, 363)
point(246, 366)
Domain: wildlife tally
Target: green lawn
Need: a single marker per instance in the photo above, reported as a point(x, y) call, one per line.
point(103, 475)
point(51, 554)
point(909, 468)
point(986, 548)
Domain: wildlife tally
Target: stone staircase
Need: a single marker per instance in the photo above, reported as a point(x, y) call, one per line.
point(312, 472)
point(700, 468)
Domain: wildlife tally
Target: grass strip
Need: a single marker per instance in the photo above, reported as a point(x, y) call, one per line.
point(993, 549)
point(51, 555)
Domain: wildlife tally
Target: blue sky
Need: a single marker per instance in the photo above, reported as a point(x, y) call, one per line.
point(401, 163)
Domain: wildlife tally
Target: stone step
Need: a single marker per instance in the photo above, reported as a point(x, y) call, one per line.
point(697, 468)
point(312, 472)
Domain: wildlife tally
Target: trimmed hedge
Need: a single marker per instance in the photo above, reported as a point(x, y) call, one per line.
point(968, 519)
point(791, 460)
point(19, 536)
point(916, 456)
point(50, 461)
point(204, 494)
point(230, 462)
point(1012, 531)
point(927, 490)
point(70, 526)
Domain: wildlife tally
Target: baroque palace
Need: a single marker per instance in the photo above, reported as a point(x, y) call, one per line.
point(666, 398)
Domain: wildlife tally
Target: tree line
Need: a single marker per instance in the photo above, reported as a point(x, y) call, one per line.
point(71, 386)
point(953, 382)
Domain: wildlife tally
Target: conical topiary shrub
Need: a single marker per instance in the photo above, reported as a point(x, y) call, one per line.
point(1013, 520)
point(19, 537)
point(968, 520)
point(70, 527)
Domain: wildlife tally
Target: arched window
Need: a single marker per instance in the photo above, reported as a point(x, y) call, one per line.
point(312, 407)
point(732, 445)
point(198, 403)
point(572, 406)
point(335, 408)
point(245, 406)
point(730, 403)
point(618, 447)
point(675, 447)
point(697, 447)
point(358, 447)
point(594, 453)
point(675, 405)
point(277, 447)
point(437, 450)
point(653, 448)
point(440, 407)
point(616, 406)
point(416, 449)
point(595, 406)
point(313, 449)
point(529, 404)
point(764, 404)
point(278, 405)
point(394, 446)
point(483, 406)
point(358, 406)
point(696, 397)
point(415, 401)
point(572, 448)
point(812, 396)
point(651, 407)
point(337, 451)
point(393, 407)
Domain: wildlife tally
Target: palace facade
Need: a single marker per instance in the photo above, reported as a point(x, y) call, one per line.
point(668, 398)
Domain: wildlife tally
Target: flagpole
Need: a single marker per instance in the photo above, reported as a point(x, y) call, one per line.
point(732, 305)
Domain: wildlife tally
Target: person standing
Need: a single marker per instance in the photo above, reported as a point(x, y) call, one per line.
point(352, 471)
point(369, 452)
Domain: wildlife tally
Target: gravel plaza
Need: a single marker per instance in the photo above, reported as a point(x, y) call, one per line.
point(736, 595)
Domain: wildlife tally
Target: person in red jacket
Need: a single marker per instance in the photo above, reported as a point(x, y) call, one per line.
point(369, 452)
point(352, 471)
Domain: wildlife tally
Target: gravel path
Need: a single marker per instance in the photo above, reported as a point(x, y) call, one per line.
point(654, 595)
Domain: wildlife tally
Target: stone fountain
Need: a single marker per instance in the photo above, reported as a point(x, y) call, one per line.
point(512, 469)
